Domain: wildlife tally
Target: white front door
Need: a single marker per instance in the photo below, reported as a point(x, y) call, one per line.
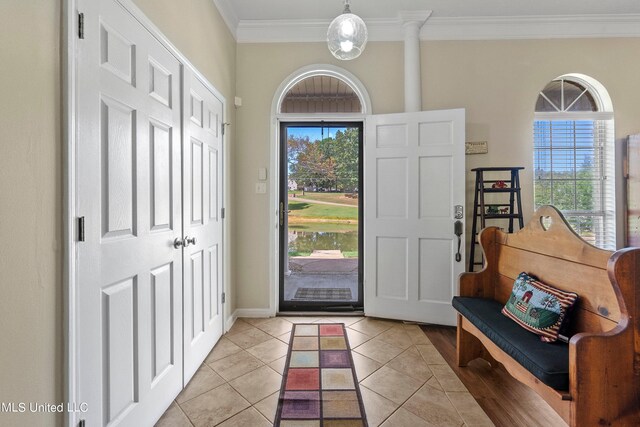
point(414, 178)
point(202, 193)
point(129, 276)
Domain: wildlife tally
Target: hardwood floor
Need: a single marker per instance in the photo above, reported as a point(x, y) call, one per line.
point(505, 400)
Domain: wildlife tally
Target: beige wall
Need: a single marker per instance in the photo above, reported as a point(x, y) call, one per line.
point(197, 30)
point(497, 82)
point(30, 207)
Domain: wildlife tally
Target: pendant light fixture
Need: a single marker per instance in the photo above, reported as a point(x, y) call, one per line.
point(347, 35)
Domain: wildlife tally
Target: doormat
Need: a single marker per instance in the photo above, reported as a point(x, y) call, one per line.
point(319, 383)
point(323, 294)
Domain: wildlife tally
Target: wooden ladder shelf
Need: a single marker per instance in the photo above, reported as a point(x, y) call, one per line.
point(483, 211)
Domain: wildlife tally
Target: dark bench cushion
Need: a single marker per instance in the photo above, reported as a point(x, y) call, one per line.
point(549, 362)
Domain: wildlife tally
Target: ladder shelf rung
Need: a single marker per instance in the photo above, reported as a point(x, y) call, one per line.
point(495, 204)
point(500, 190)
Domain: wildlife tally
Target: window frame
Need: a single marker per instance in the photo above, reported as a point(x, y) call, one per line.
point(603, 141)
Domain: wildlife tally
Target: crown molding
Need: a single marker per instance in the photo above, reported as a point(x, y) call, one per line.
point(310, 30)
point(531, 27)
point(228, 15)
point(414, 16)
point(462, 28)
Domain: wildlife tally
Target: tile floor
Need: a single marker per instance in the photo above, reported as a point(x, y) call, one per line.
point(403, 379)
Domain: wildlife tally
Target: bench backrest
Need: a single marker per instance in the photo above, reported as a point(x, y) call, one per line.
point(548, 248)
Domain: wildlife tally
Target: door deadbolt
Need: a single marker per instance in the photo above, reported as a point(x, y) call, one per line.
point(458, 212)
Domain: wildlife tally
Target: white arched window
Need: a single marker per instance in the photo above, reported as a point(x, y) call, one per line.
point(574, 156)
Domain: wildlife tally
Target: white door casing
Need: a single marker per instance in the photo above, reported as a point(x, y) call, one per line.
point(129, 296)
point(202, 194)
point(414, 178)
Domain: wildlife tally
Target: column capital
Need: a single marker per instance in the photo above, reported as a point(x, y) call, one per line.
point(414, 17)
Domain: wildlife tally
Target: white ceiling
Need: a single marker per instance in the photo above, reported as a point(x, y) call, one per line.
point(259, 21)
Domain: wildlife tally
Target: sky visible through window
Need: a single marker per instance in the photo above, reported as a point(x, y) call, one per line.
point(314, 133)
point(563, 147)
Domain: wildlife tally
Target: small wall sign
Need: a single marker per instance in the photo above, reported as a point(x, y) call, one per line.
point(479, 147)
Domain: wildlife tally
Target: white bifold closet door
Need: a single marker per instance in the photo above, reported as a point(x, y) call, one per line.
point(202, 184)
point(138, 341)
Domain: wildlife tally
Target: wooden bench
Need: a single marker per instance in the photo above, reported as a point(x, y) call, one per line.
point(604, 348)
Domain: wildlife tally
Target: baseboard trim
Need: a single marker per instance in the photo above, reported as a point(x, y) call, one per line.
point(229, 321)
point(253, 312)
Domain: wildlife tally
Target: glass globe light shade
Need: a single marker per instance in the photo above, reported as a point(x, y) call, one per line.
point(347, 36)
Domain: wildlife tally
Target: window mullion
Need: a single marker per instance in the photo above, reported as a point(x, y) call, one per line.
point(550, 101)
point(575, 100)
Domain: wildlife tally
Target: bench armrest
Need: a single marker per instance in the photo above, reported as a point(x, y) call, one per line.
point(601, 368)
point(604, 367)
point(481, 283)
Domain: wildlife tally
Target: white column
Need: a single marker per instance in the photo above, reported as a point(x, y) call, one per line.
point(412, 22)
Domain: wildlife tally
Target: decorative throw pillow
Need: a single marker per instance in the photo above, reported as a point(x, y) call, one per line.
point(538, 307)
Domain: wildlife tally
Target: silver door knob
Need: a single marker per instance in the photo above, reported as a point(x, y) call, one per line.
point(189, 241)
point(177, 243)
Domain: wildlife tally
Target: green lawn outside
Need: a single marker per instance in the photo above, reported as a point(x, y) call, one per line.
point(324, 227)
point(312, 210)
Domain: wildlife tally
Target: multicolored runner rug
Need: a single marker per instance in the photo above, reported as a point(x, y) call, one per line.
point(319, 385)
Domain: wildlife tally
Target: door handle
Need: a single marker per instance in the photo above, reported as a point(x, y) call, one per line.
point(281, 214)
point(178, 243)
point(457, 230)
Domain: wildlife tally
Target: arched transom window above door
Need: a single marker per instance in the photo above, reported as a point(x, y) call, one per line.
point(321, 94)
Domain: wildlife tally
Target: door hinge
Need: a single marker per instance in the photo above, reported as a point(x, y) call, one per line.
point(81, 25)
point(222, 213)
point(224, 297)
point(81, 229)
